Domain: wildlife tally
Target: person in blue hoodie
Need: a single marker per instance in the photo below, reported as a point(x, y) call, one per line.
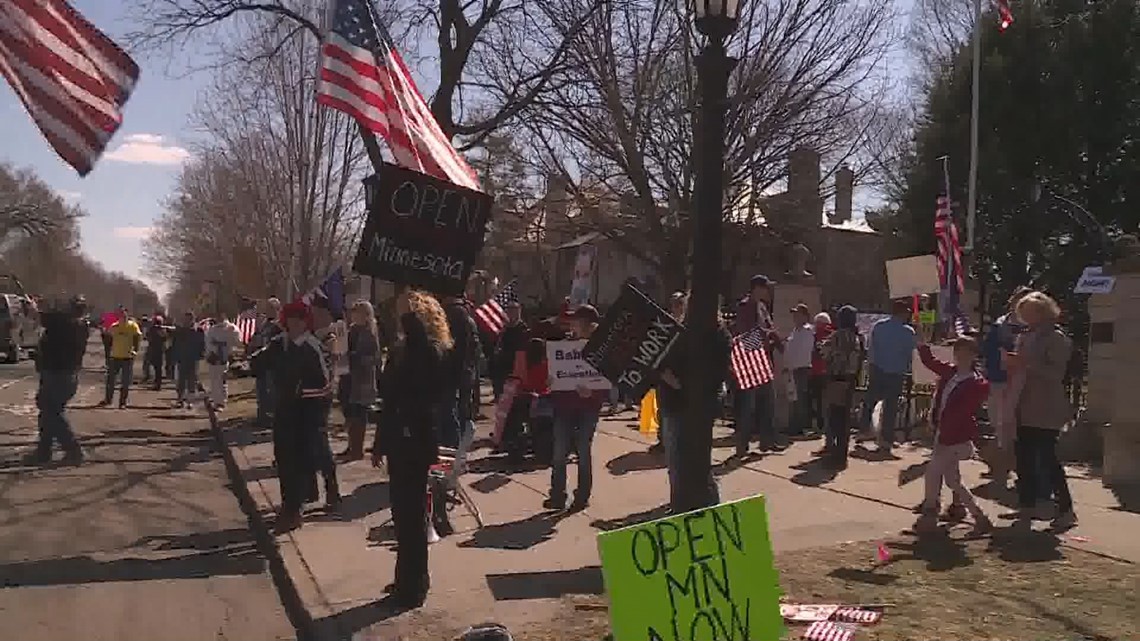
point(1000, 338)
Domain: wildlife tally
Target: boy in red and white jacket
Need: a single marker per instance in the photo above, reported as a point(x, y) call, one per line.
point(960, 392)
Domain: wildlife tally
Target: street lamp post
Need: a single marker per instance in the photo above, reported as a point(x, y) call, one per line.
point(715, 19)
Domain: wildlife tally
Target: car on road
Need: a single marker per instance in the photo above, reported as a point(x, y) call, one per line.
point(19, 326)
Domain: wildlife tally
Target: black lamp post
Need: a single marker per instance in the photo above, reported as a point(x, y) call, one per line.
point(715, 19)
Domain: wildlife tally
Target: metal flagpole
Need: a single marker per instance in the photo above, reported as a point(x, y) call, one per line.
point(972, 196)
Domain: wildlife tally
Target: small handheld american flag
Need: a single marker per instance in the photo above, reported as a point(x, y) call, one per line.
point(364, 76)
point(492, 315)
point(247, 326)
point(72, 79)
point(751, 365)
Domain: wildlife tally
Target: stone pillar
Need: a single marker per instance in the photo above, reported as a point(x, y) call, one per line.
point(844, 187)
point(1114, 374)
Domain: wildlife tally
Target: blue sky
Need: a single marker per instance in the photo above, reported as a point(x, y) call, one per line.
point(124, 193)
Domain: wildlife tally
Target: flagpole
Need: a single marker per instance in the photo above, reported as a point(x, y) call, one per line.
point(972, 196)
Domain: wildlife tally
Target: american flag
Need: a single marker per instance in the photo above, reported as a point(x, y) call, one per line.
point(492, 315)
point(829, 631)
point(950, 278)
point(72, 79)
point(364, 76)
point(751, 364)
point(1005, 14)
point(857, 615)
point(247, 325)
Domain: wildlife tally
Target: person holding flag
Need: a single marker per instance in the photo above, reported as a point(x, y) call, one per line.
point(500, 318)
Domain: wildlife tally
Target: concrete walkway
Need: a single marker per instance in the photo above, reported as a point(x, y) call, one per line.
point(521, 568)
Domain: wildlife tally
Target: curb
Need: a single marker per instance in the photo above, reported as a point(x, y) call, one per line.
point(294, 605)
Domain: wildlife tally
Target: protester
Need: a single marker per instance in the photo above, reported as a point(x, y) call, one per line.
point(512, 339)
point(126, 337)
point(958, 396)
point(1042, 406)
point(818, 380)
point(363, 358)
point(267, 330)
point(456, 411)
point(575, 420)
point(673, 400)
point(188, 346)
point(843, 353)
point(221, 339)
point(891, 352)
point(412, 387)
point(322, 324)
point(798, 350)
point(59, 358)
point(1000, 339)
point(156, 333)
point(755, 408)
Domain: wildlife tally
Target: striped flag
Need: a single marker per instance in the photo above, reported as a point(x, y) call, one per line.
point(829, 631)
point(950, 278)
point(72, 79)
point(1005, 14)
point(247, 325)
point(751, 364)
point(363, 75)
point(857, 615)
point(492, 315)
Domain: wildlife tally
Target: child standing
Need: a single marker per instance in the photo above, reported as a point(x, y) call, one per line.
point(959, 394)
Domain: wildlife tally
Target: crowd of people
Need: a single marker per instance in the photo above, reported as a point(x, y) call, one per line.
point(420, 387)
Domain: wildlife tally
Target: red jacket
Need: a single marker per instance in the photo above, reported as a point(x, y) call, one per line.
point(818, 365)
point(958, 422)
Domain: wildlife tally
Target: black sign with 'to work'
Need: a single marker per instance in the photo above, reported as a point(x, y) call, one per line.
point(632, 341)
point(421, 231)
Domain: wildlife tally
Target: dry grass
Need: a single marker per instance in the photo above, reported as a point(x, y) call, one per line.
point(1013, 586)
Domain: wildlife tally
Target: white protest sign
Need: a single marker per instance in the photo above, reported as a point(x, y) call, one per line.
point(1094, 281)
point(581, 287)
point(568, 369)
point(912, 276)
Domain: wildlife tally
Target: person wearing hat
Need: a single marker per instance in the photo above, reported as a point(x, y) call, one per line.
point(754, 408)
point(892, 349)
point(798, 351)
point(304, 384)
point(58, 360)
point(575, 420)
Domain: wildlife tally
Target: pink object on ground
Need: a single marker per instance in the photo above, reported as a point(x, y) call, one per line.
point(829, 631)
point(882, 554)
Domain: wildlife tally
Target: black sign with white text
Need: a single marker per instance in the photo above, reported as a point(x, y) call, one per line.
point(421, 231)
point(632, 341)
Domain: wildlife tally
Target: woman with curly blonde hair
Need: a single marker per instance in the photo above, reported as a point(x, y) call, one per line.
point(412, 385)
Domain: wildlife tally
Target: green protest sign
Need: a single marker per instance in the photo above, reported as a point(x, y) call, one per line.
point(927, 317)
point(706, 575)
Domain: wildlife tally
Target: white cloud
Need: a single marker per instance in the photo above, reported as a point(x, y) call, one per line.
point(132, 233)
point(148, 149)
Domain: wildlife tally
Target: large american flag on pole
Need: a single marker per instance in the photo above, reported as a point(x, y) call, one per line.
point(364, 76)
point(751, 365)
point(492, 315)
point(72, 79)
point(950, 278)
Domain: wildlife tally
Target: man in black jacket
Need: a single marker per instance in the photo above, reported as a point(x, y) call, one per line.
point(58, 360)
point(458, 412)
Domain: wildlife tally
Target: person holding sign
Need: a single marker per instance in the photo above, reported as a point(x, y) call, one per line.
point(413, 384)
point(575, 420)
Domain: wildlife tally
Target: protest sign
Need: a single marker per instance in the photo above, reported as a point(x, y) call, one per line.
point(582, 285)
point(631, 341)
point(912, 276)
point(1094, 281)
point(706, 575)
point(568, 369)
point(421, 231)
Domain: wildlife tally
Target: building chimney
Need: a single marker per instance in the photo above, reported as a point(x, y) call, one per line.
point(844, 184)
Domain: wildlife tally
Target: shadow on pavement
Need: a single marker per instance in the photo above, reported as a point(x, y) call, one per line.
point(632, 519)
point(546, 585)
point(516, 535)
point(938, 549)
point(859, 575)
point(364, 500)
point(346, 623)
point(814, 473)
point(491, 483)
point(636, 462)
point(222, 553)
point(1015, 545)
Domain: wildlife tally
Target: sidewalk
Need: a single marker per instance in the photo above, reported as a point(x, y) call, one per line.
point(525, 568)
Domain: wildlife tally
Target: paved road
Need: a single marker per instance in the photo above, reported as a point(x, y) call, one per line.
point(144, 541)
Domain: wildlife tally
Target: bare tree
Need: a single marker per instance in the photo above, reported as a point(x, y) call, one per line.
point(277, 180)
point(938, 30)
point(28, 207)
point(617, 123)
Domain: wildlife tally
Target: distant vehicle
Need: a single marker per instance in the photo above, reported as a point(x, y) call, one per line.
point(19, 326)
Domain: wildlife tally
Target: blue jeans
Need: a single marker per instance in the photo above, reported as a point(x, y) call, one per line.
point(56, 389)
point(265, 395)
point(885, 387)
point(573, 425)
point(755, 416)
point(186, 381)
